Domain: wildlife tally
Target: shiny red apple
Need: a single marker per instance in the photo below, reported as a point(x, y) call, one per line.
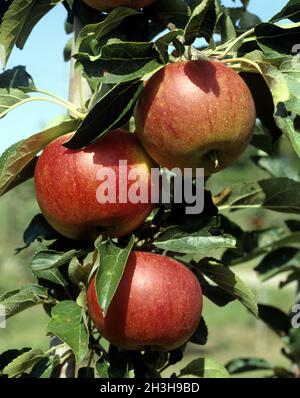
point(195, 114)
point(157, 304)
point(80, 200)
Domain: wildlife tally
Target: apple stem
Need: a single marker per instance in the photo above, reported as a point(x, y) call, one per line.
point(213, 156)
point(232, 44)
point(245, 60)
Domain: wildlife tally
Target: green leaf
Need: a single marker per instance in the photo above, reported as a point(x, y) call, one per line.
point(229, 281)
point(99, 30)
point(124, 61)
point(271, 37)
point(163, 42)
point(277, 167)
point(18, 22)
point(224, 23)
point(10, 98)
point(294, 342)
point(23, 362)
point(102, 368)
point(202, 22)
point(67, 323)
point(290, 11)
point(15, 159)
point(86, 373)
point(176, 12)
point(113, 110)
point(201, 334)
point(205, 368)
point(38, 228)
point(242, 19)
point(121, 58)
point(16, 77)
point(281, 260)
point(177, 240)
point(291, 278)
point(214, 293)
point(256, 243)
point(48, 259)
point(288, 128)
point(241, 365)
point(275, 318)
point(113, 260)
point(277, 194)
point(79, 272)
point(43, 369)
point(52, 275)
point(20, 299)
point(8, 356)
point(143, 73)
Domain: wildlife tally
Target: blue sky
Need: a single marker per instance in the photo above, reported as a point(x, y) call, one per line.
point(43, 58)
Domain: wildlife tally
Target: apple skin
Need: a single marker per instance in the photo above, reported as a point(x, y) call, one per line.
point(158, 304)
point(103, 5)
point(66, 186)
point(193, 112)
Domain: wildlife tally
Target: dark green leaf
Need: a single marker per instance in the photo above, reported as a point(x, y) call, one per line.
point(230, 282)
point(294, 342)
point(23, 298)
point(53, 275)
point(205, 368)
point(143, 73)
point(242, 19)
point(19, 21)
point(110, 112)
point(224, 24)
point(86, 373)
point(202, 22)
point(18, 156)
point(254, 244)
point(271, 37)
point(43, 369)
point(277, 194)
point(79, 271)
point(176, 12)
point(47, 259)
point(123, 58)
point(8, 356)
point(163, 42)
point(118, 363)
point(290, 11)
point(275, 318)
point(280, 166)
point(102, 368)
point(38, 228)
point(23, 362)
point(280, 260)
point(214, 293)
point(241, 365)
point(112, 264)
point(67, 323)
point(177, 240)
point(16, 77)
point(99, 30)
point(10, 98)
point(293, 225)
point(201, 334)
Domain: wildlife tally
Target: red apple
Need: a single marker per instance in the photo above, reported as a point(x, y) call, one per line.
point(103, 5)
point(195, 114)
point(158, 304)
point(68, 185)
